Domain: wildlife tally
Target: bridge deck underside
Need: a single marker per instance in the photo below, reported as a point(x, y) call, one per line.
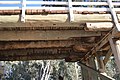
point(51, 36)
point(38, 41)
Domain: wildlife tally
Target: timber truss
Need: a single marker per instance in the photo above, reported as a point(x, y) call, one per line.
point(74, 31)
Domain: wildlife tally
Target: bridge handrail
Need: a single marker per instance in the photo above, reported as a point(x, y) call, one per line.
point(48, 5)
point(54, 3)
point(76, 4)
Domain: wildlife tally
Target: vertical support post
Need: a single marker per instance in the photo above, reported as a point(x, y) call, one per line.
point(84, 72)
point(115, 46)
point(102, 66)
point(76, 68)
point(93, 76)
point(114, 15)
point(100, 62)
point(90, 69)
point(23, 10)
point(71, 16)
point(107, 56)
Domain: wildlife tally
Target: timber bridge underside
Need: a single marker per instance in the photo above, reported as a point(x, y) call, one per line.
point(52, 36)
point(75, 31)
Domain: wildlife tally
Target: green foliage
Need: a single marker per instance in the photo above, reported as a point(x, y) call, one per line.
point(29, 70)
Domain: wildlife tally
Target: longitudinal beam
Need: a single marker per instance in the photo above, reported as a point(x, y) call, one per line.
point(39, 54)
point(34, 54)
point(44, 35)
point(7, 45)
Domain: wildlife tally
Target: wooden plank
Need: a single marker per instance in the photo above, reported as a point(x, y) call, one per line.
point(35, 54)
point(115, 46)
point(44, 35)
point(41, 26)
point(58, 18)
point(99, 26)
point(7, 45)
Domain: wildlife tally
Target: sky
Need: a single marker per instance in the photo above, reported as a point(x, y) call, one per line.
point(12, 5)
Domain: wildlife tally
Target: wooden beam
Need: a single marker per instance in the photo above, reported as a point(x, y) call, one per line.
point(99, 26)
point(41, 26)
point(103, 77)
point(85, 73)
point(98, 46)
point(91, 63)
point(115, 46)
point(60, 18)
point(9, 45)
point(39, 54)
point(108, 54)
point(34, 54)
point(44, 35)
point(101, 65)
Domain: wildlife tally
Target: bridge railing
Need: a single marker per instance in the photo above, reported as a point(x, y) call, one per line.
point(64, 5)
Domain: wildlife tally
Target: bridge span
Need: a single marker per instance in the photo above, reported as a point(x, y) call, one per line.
point(74, 31)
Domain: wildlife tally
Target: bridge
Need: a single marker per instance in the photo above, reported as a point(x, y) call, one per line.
point(70, 30)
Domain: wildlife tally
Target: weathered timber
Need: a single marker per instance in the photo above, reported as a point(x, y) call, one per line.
point(93, 26)
point(100, 62)
point(38, 54)
point(91, 63)
point(45, 35)
point(115, 46)
point(85, 73)
point(107, 56)
point(58, 18)
point(99, 26)
point(102, 76)
point(81, 48)
point(41, 26)
point(77, 45)
point(98, 47)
